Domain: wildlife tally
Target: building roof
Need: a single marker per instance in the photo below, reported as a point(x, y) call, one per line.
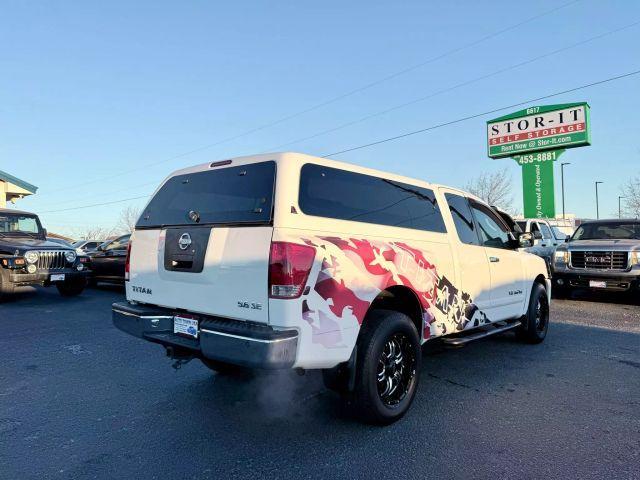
point(16, 181)
point(59, 236)
point(19, 212)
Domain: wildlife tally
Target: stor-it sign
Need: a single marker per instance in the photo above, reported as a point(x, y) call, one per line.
point(539, 128)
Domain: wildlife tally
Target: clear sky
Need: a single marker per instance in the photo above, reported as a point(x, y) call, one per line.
point(100, 101)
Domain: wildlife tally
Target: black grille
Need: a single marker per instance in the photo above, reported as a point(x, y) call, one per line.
point(51, 260)
point(601, 260)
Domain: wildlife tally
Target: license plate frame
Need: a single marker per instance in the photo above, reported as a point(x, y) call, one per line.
point(57, 277)
point(597, 284)
point(186, 326)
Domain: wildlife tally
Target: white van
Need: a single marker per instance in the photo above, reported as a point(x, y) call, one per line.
point(291, 261)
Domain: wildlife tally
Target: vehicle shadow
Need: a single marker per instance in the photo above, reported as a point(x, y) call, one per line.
point(575, 395)
point(491, 391)
point(108, 287)
point(586, 295)
point(20, 294)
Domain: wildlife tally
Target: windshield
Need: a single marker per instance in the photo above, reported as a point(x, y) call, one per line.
point(522, 225)
point(11, 223)
point(608, 231)
point(242, 194)
point(78, 243)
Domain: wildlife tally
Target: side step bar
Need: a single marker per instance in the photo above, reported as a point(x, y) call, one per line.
point(463, 339)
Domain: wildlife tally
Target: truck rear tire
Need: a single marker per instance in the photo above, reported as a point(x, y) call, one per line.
point(71, 288)
point(535, 324)
point(387, 367)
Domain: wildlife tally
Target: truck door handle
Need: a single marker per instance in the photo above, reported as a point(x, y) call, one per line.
point(544, 244)
point(494, 259)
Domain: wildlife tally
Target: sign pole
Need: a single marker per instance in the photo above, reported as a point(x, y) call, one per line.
point(562, 179)
point(538, 192)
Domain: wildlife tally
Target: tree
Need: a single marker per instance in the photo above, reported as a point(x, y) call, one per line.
point(128, 219)
point(94, 233)
point(631, 201)
point(494, 188)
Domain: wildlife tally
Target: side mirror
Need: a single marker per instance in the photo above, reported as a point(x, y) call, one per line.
point(525, 240)
point(567, 238)
point(537, 235)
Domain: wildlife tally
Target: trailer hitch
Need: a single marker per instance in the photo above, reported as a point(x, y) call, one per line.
point(179, 356)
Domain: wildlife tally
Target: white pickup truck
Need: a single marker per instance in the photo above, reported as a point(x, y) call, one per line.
point(292, 261)
point(546, 238)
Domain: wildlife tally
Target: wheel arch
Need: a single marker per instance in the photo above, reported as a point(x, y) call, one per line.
point(402, 299)
point(541, 280)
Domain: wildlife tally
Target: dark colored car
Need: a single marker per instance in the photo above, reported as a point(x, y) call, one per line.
point(107, 261)
point(85, 246)
point(28, 258)
point(600, 255)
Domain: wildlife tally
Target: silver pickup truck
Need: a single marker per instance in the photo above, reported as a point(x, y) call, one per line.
point(600, 255)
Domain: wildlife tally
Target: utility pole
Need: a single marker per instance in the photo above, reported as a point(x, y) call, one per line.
point(562, 181)
point(597, 205)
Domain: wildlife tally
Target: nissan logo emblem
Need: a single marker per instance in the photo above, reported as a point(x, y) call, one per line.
point(184, 241)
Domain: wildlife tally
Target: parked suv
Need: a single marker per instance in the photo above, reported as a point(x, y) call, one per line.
point(28, 258)
point(292, 261)
point(600, 255)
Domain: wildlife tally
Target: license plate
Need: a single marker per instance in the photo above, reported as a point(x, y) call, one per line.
point(597, 284)
point(58, 277)
point(185, 326)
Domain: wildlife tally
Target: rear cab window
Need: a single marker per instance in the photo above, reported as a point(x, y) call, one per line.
point(344, 195)
point(230, 195)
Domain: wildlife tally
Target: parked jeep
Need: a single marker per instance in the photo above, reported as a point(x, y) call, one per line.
point(28, 258)
point(292, 261)
point(600, 255)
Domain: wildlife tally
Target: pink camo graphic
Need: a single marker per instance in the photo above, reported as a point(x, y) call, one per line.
point(354, 271)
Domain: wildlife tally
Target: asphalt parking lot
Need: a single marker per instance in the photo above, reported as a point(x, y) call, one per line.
point(79, 399)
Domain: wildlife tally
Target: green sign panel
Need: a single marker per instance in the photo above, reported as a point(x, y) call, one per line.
point(537, 183)
point(539, 128)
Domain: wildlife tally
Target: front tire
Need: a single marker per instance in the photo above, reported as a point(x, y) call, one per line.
point(71, 289)
point(387, 367)
point(6, 288)
point(535, 324)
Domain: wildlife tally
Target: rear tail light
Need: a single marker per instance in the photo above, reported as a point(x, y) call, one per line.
point(289, 267)
point(127, 261)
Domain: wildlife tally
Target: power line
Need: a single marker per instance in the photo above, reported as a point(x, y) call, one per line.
point(96, 204)
point(451, 88)
point(154, 182)
point(415, 132)
point(336, 98)
point(470, 117)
